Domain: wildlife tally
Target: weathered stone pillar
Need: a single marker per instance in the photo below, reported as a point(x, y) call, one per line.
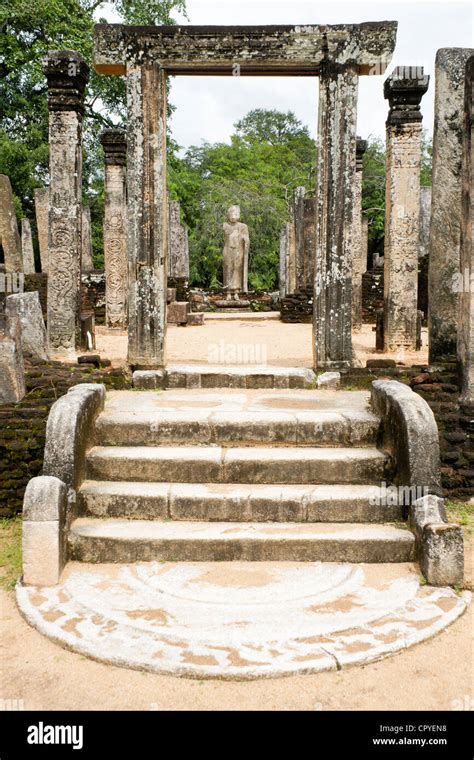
point(284, 234)
point(445, 224)
point(147, 214)
point(27, 251)
point(42, 213)
point(291, 260)
point(425, 215)
point(9, 235)
point(12, 371)
point(404, 89)
point(67, 75)
point(365, 243)
point(298, 216)
point(357, 242)
point(114, 143)
point(336, 168)
point(86, 237)
point(309, 242)
point(465, 343)
point(178, 244)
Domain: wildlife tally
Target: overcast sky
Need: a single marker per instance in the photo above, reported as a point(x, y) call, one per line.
point(207, 107)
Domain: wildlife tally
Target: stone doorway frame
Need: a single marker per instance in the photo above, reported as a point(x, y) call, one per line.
point(338, 55)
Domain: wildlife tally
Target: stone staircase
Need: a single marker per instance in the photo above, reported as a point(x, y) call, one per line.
point(206, 475)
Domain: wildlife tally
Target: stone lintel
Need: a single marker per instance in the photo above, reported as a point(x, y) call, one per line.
point(67, 74)
point(404, 89)
point(114, 143)
point(291, 50)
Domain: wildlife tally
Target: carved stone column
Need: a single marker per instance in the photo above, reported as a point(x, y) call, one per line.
point(358, 252)
point(445, 223)
point(9, 235)
point(41, 195)
point(178, 244)
point(465, 344)
point(86, 234)
point(114, 143)
point(335, 195)
point(147, 214)
point(404, 89)
point(67, 75)
point(27, 252)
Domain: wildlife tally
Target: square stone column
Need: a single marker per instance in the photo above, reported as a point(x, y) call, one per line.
point(298, 217)
point(283, 261)
point(445, 224)
point(114, 143)
point(41, 195)
point(27, 252)
point(404, 89)
point(359, 254)
point(338, 86)
point(147, 214)
point(365, 242)
point(9, 235)
point(67, 75)
point(178, 244)
point(87, 262)
point(465, 343)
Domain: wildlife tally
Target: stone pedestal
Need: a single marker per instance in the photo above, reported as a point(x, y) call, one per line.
point(466, 312)
point(445, 225)
point(27, 251)
point(67, 75)
point(9, 235)
point(12, 372)
point(404, 90)
point(114, 143)
point(359, 252)
point(332, 340)
point(42, 212)
point(147, 214)
point(178, 267)
point(87, 262)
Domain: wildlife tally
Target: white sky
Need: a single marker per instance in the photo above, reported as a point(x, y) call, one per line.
point(207, 107)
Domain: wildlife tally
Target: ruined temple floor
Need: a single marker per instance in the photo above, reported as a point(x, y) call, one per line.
point(286, 345)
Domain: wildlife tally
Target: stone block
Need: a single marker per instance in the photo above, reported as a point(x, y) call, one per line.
point(442, 561)
point(196, 319)
point(44, 531)
point(178, 313)
point(171, 295)
point(329, 380)
point(148, 379)
point(12, 372)
point(27, 308)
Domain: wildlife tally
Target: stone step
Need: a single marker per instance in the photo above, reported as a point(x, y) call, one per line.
point(214, 464)
point(236, 503)
point(207, 426)
point(119, 541)
point(225, 376)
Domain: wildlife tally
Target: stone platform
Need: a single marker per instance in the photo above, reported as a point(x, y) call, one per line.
point(239, 619)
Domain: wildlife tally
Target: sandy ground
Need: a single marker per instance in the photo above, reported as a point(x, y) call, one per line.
point(284, 345)
point(434, 675)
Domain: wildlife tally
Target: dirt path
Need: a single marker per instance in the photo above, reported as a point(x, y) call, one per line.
point(435, 675)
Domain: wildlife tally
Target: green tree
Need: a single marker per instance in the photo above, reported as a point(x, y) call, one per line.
point(269, 155)
point(28, 29)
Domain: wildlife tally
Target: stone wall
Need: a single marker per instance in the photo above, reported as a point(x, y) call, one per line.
point(441, 390)
point(23, 425)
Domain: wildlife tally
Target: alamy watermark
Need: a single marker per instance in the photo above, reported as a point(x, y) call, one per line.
point(392, 496)
point(237, 353)
point(12, 282)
